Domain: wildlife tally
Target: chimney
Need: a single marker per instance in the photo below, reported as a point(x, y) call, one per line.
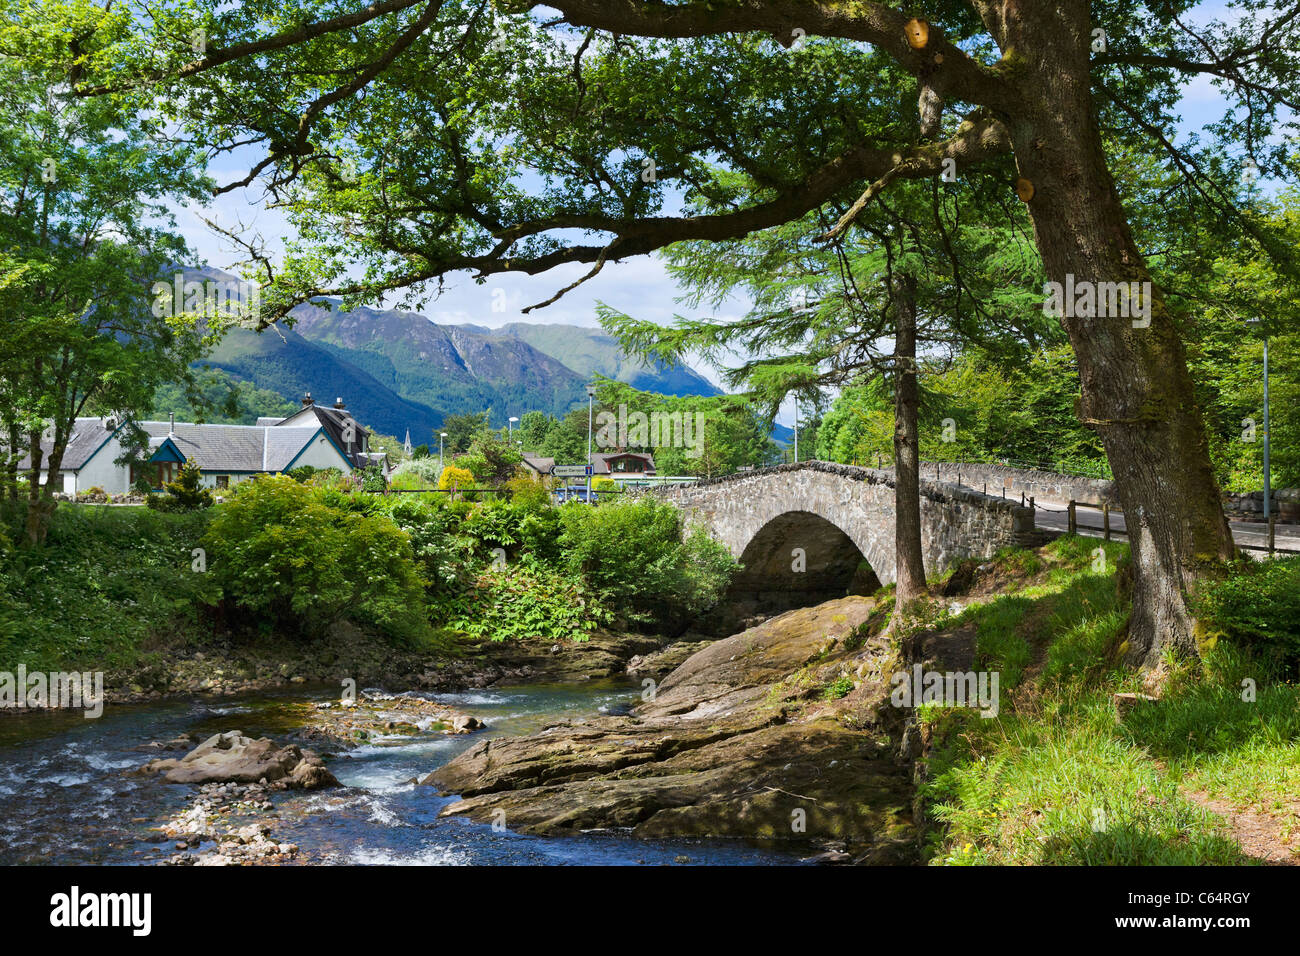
point(171, 432)
point(338, 403)
point(307, 401)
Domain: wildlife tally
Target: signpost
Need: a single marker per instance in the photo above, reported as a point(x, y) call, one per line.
point(571, 471)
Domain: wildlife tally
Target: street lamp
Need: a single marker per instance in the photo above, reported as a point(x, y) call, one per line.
point(591, 397)
point(510, 428)
point(1255, 324)
point(441, 436)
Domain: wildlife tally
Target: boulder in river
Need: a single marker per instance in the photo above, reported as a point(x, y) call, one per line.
point(233, 758)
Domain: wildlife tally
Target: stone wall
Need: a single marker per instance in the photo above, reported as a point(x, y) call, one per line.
point(1042, 485)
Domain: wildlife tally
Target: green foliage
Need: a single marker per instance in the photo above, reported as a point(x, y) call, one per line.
point(372, 478)
point(492, 459)
point(107, 582)
point(462, 430)
point(445, 553)
point(527, 599)
point(842, 686)
point(214, 395)
point(416, 473)
point(1023, 414)
point(735, 431)
point(453, 476)
point(89, 202)
point(186, 493)
point(1257, 607)
point(280, 550)
point(633, 553)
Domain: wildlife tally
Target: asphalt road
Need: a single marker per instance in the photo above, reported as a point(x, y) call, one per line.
point(1052, 514)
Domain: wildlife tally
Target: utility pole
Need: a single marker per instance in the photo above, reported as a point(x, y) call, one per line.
point(591, 397)
point(441, 436)
point(1268, 489)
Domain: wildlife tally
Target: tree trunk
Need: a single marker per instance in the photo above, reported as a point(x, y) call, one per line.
point(11, 463)
point(909, 567)
point(1137, 392)
point(40, 498)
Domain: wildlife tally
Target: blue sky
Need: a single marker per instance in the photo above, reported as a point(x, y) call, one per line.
point(639, 286)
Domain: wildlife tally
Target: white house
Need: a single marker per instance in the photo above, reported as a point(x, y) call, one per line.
point(225, 454)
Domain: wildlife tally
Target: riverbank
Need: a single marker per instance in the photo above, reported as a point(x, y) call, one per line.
point(217, 602)
point(346, 655)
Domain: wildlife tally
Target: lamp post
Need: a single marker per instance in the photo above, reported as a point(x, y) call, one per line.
point(591, 397)
point(441, 436)
point(1255, 324)
point(510, 428)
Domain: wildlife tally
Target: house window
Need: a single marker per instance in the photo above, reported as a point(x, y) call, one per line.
point(158, 472)
point(223, 481)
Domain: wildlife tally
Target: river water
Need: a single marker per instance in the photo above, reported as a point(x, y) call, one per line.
point(65, 796)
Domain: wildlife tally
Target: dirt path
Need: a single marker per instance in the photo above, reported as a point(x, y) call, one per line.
point(1260, 834)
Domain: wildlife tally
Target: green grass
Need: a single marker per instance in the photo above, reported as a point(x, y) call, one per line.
point(1055, 779)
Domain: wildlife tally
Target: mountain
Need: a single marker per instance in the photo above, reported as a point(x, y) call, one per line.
point(398, 370)
point(592, 352)
point(449, 367)
point(284, 362)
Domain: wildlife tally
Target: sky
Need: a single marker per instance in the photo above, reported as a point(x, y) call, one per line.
point(639, 286)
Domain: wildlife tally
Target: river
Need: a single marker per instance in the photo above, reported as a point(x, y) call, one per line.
point(65, 796)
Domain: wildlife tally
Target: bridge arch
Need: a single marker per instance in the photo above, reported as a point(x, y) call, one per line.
point(800, 558)
point(842, 517)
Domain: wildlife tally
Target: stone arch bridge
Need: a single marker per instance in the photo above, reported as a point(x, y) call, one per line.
point(812, 531)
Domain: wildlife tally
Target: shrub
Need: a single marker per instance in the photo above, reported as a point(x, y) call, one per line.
point(634, 554)
point(444, 553)
point(1258, 607)
point(279, 550)
point(107, 582)
point(454, 476)
point(372, 478)
point(186, 493)
point(603, 483)
point(526, 600)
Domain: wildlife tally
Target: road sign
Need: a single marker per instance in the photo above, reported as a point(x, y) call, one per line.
point(571, 471)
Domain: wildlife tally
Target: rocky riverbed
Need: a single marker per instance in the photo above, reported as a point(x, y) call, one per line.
point(222, 667)
point(779, 733)
point(235, 775)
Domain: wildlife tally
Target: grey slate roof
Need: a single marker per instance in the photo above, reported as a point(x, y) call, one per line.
point(218, 448)
point(235, 447)
point(88, 434)
point(542, 466)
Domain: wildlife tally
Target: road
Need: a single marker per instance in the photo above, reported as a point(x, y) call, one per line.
point(1052, 514)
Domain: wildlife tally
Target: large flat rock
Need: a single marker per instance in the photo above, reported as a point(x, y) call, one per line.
point(737, 742)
